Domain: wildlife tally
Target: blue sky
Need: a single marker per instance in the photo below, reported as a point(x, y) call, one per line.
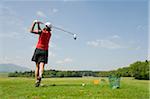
point(112, 33)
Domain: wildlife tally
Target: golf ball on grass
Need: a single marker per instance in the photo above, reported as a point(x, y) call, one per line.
point(83, 84)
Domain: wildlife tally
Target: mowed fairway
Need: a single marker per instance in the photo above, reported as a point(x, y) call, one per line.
point(71, 88)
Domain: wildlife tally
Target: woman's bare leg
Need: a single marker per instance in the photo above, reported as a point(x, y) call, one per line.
point(37, 71)
point(41, 69)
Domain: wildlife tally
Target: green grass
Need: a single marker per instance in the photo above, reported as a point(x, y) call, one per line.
point(70, 88)
point(3, 75)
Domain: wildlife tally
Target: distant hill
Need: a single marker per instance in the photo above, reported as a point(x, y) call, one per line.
point(12, 68)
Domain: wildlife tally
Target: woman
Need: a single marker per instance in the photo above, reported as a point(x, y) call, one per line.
point(40, 56)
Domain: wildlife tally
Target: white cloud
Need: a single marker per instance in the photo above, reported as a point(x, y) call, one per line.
point(105, 43)
point(134, 47)
point(93, 43)
point(52, 45)
point(109, 44)
point(138, 48)
point(114, 42)
point(115, 37)
point(68, 60)
point(54, 10)
point(65, 61)
point(41, 14)
point(141, 27)
point(18, 60)
point(14, 60)
point(51, 54)
point(11, 20)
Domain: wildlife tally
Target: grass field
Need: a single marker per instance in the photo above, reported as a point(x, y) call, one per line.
point(71, 88)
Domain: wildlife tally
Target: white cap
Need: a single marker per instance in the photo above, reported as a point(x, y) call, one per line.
point(35, 21)
point(48, 24)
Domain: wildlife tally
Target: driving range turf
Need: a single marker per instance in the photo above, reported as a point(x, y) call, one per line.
point(71, 88)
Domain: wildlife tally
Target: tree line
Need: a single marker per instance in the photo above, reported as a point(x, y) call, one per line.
point(138, 70)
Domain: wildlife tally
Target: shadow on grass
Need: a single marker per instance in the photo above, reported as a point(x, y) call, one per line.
point(49, 85)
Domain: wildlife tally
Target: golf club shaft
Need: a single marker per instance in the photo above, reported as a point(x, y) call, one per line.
point(58, 28)
point(63, 30)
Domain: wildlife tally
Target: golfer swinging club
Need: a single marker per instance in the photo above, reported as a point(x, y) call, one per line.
point(40, 56)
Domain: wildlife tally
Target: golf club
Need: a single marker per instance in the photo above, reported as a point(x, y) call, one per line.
point(74, 35)
point(58, 28)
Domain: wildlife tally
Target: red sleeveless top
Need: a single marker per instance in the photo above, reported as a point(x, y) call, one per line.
point(43, 41)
